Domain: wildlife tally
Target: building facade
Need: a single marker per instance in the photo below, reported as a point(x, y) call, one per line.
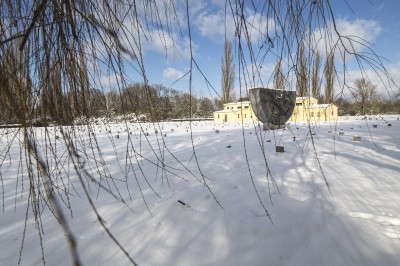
point(306, 109)
point(235, 112)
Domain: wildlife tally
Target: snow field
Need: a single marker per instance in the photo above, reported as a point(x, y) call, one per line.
point(354, 222)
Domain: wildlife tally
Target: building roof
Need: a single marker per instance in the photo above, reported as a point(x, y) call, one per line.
point(236, 103)
point(227, 111)
point(302, 98)
point(322, 105)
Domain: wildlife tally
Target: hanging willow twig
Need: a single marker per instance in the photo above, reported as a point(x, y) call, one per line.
point(54, 52)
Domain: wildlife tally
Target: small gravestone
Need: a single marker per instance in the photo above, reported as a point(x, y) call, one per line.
point(329, 131)
point(280, 149)
point(217, 131)
point(389, 125)
point(268, 140)
point(117, 136)
point(57, 137)
point(156, 132)
point(374, 126)
point(146, 134)
point(229, 146)
point(294, 138)
point(164, 135)
point(341, 133)
point(172, 130)
point(356, 138)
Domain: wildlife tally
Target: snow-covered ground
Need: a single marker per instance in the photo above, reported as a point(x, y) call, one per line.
point(354, 220)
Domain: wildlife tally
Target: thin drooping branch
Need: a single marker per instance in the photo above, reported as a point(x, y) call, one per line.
point(54, 55)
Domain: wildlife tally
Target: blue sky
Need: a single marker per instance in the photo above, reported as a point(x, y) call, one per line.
point(166, 59)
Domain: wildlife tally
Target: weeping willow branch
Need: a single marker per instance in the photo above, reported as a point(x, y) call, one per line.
point(54, 54)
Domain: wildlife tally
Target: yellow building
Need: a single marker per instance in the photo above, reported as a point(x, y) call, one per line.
point(306, 109)
point(235, 112)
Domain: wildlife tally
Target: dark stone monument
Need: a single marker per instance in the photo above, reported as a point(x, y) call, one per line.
point(272, 107)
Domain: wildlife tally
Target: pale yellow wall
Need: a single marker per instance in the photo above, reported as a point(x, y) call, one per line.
point(235, 112)
point(323, 113)
point(300, 110)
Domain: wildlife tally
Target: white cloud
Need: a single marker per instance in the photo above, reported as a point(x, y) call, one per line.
point(220, 3)
point(360, 29)
point(260, 27)
point(217, 26)
point(172, 74)
point(164, 33)
point(355, 36)
point(170, 44)
point(214, 26)
point(165, 42)
point(256, 76)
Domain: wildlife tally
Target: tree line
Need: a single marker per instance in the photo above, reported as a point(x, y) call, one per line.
point(366, 100)
point(148, 102)
point(154, 102)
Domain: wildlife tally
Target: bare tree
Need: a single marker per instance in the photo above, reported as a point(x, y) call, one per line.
point(365, 94)
point(16, 86)
point(228, 73)
point(188, 105)
point(302, 77)
point(113, 102)
point(206, 107)
point(279, 79)
point(315, 77)
point(97, 104)
point(329, 73)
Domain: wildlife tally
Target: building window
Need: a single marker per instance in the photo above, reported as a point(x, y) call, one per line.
point(318, 114)
point(246, 107)
point(239, 107)
point(332, 113)
point(227, 108)
point(312, 114)
point(218, 116)
point(299, 104)
point(238, 115)
point(245, 115)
